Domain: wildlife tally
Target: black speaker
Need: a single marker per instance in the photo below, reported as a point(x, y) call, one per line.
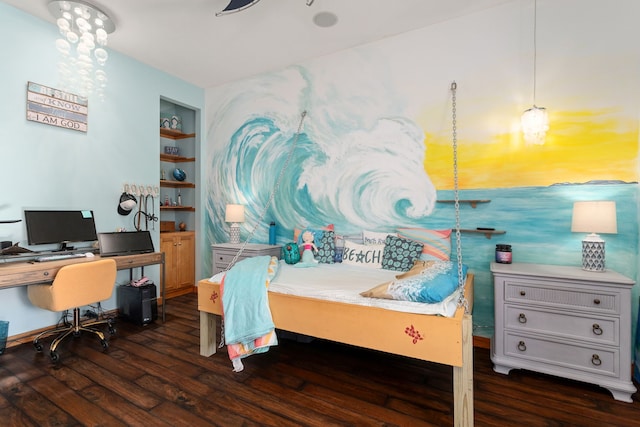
point(139, 304)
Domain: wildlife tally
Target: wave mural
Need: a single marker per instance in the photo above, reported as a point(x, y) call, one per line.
point(349, 168)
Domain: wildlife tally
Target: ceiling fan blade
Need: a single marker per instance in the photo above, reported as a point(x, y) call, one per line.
point(237, 6)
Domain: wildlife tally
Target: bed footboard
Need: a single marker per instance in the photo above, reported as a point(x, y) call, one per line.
point(405, 334)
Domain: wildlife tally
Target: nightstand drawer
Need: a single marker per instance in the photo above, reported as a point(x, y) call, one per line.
point(223, 258)
point(601, 330)
point(563, 354)
point(580, 299)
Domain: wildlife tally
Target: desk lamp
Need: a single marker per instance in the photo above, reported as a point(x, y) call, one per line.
point(594, 217)
point(234, 214)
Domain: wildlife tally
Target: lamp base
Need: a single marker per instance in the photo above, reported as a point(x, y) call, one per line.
point(593, 255)
point(234, 233)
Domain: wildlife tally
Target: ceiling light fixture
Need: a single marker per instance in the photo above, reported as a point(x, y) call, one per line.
point(238, 5)
point(535, 121)
point(325, 19)
point(84, 29)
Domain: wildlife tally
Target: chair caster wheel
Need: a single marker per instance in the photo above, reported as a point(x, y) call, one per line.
point(55, 357)
point(38, 346)
point(105, 344)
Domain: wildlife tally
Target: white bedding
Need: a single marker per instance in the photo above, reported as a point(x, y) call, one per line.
point(343, 283)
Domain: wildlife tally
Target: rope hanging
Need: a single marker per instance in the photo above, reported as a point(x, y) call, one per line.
point(462, 301)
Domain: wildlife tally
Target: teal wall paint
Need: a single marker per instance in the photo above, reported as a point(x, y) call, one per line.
point(49, 167)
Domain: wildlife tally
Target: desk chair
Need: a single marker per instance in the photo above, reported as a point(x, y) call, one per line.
point(74, 286)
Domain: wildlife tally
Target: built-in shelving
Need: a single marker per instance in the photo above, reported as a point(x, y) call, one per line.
point(176, 184)
point(175, 134)
point(472, 202)
point(176, 159)
point(177, 208)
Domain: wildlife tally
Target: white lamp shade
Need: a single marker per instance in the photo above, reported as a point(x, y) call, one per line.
point(594, 217)
point(234, 213)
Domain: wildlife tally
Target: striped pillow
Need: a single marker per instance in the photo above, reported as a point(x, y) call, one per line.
point(437, 243)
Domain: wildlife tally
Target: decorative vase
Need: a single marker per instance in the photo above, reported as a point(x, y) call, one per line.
point(179, 174)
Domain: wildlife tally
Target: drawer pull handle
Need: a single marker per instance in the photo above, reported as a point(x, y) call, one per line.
point(522, 346)
point(595, 359)
point(596, 301)
point(522, 318)
point(597, 329)
point(522, 293)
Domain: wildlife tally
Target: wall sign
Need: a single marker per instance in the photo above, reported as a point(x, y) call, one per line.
point(56, 108)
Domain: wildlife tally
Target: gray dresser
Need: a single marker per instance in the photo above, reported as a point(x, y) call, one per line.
point(564, 321)
point(223, 253)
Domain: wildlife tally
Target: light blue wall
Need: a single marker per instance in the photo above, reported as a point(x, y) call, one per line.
point(49, 167)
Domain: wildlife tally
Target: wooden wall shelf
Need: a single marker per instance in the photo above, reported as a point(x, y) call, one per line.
point(487, 233)
point(175, 134)
point(177, 208)
point(176, 184)
point(472, 202)
point(176, 159)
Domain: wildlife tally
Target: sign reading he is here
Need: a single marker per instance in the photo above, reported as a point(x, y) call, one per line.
point(56, 108)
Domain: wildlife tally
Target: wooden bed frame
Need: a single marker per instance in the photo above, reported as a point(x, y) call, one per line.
point(445, 340)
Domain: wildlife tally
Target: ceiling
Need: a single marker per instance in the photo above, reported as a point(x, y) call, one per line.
point(186, 39)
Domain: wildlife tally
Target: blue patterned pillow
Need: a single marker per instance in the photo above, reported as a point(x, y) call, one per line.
point(400, 253)
point(435, 281)
point(326, 248)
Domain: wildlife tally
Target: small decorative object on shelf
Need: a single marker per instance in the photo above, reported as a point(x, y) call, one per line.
point(179, 174)
point(182, 226)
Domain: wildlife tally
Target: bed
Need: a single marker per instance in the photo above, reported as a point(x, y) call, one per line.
point(429, 337)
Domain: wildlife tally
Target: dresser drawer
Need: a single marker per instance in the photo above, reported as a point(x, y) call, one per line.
point(603, 330)
point(591, 299)
point(223, 258)
point(556, 354)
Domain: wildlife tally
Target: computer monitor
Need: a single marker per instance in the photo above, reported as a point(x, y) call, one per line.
point(59, 227)
point(125, 243)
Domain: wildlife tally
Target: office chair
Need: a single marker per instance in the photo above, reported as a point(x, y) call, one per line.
point(74, 286)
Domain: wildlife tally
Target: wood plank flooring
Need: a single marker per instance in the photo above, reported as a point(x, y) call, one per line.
point(154, 376)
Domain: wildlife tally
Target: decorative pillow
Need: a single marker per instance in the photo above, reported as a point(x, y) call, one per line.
point(437, 243)
point(317, 232)
point(326, 248)
point(400, 253)
point(435, 281)
point(375, 237)
point(362, 255)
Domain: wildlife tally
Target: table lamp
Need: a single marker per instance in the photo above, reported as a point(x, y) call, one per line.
point(234, 214)
point(594, 217)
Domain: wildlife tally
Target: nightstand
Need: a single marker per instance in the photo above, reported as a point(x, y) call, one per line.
point(223, 253)
point(564, 321)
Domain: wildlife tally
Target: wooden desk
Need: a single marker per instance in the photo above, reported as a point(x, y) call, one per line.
point(23, 273)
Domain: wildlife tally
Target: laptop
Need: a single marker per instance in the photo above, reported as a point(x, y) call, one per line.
point(125, 243)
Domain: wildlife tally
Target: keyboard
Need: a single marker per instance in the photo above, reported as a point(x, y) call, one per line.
point(45, 258)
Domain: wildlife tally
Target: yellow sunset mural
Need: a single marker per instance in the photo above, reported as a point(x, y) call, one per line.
point(580, 146)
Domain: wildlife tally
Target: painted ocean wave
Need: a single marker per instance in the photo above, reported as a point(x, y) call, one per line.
point(365, 179)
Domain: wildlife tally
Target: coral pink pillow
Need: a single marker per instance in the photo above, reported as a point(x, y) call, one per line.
point(437, 243)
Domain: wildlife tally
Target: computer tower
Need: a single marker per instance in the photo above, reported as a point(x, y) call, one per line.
point(138, 304)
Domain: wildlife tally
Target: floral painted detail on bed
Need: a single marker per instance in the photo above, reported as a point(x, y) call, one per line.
point(414, 334)
point(214, 297)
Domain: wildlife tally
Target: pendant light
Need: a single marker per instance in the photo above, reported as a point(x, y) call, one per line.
point(535, 121)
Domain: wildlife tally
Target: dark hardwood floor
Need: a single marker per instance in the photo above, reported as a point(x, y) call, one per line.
point(154, 376)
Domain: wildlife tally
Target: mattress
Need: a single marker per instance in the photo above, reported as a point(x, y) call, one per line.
point(343, 283)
